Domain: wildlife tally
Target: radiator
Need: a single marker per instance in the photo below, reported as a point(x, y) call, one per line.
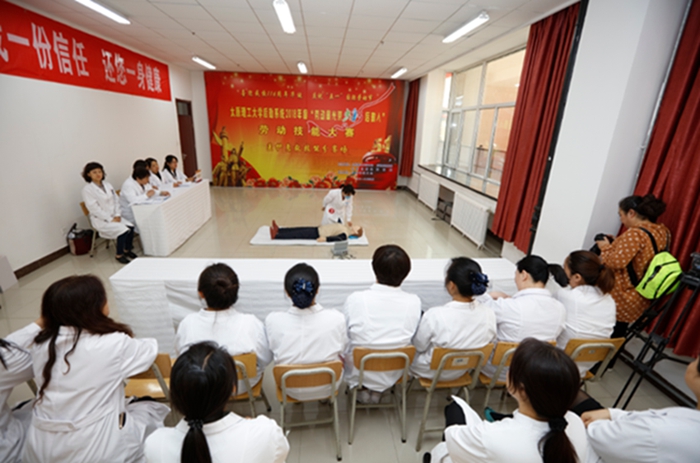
point(428, 192)
point(471, 218)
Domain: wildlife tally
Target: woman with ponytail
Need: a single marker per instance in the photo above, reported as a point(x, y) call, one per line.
point(463, 323)
point(237, 332)
point(590, 310)
point(81, 359)
point(544, 381)
point(631, 252)
point(532, 311)
point(201, 383)
point(306, 333)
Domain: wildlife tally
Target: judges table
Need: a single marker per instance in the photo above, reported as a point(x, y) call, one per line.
point(154, 295)
point(164, 226)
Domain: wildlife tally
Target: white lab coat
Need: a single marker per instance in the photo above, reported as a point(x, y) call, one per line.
point(590, 314)
point(456, 325)
point(382, 317)
point(132, 193)
point(169, 178)
point(530, 313)
point(653, 436)
point(13, 424)
point(509, 440)
point(237, 332)
point(232, 438)
point(155, 181)
point(304, 336)
point(103, 205)
point(335, 208)
point(78, 418)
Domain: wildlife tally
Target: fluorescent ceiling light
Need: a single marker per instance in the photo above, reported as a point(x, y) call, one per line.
point(467, 28)
point(284, 15)
point(102, 10)
point(302, 67)
point(200, 61)
point(399, 73)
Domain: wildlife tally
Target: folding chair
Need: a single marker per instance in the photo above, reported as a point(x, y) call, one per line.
point(301, 376)
point(502, 356)
point(95, 235)
point(154, 382)
point(246, 367)
point(382, 360)
point(593, 350)
point(451, 359)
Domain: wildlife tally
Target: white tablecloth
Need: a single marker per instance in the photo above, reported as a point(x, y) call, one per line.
point(164, 226)
point(154, 295)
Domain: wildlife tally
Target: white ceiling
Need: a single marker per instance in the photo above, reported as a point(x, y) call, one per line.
point(353, 38)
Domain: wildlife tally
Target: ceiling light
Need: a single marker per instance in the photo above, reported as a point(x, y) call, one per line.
point(467, 28)
point(102, 10)
point(302, 67)
point(399, 73)
point(200, 61)
point(285, 16)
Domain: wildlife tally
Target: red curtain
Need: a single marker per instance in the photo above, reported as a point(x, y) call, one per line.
point(671, 167)
point(541, 82)
point(409, 130)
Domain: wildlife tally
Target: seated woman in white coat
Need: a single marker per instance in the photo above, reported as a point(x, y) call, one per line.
point(545, 382)
point(463, 323)
point(172, 176)
point(81, 358)
point(532, 312)
point(201, 383)
point(239, 333)
point(381, 317)
point(590, 310)
point(666, 435)
point(15, 369)
point(307, 333)
point(105, 214)
point(156, 178)
point(136, 189)
point(337, 206)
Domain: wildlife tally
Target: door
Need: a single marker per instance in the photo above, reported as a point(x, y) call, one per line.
point(186, 126)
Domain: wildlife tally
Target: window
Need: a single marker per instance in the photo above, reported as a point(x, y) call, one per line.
point(477, 116)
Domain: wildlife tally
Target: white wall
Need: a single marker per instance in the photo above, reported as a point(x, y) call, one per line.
point(624, 53)
point(48, 132)
point(201, 123)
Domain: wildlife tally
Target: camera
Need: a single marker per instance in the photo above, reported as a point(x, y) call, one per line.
point(694, 265)
point(600, 236)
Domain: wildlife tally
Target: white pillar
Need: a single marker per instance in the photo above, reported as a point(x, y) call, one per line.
point(623, 55)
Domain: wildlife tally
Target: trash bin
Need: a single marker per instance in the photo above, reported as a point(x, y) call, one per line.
point(79, 241)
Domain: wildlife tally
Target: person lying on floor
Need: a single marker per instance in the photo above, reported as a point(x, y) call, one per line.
point(330, 232)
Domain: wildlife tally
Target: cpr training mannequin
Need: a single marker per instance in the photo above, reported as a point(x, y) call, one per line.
point(325, 233)
point(201, 383)
point(337, 206)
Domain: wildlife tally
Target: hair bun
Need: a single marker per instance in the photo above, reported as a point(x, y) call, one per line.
point(480, 283)
point(303, 286)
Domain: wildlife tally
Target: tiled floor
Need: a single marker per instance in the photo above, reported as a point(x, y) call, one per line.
point(388, 217)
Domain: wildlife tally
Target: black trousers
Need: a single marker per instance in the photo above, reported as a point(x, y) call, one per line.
point(125, 241)
point(297, 233)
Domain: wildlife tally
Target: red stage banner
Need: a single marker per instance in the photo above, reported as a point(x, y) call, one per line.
point(34, 46)
point(271, 130)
